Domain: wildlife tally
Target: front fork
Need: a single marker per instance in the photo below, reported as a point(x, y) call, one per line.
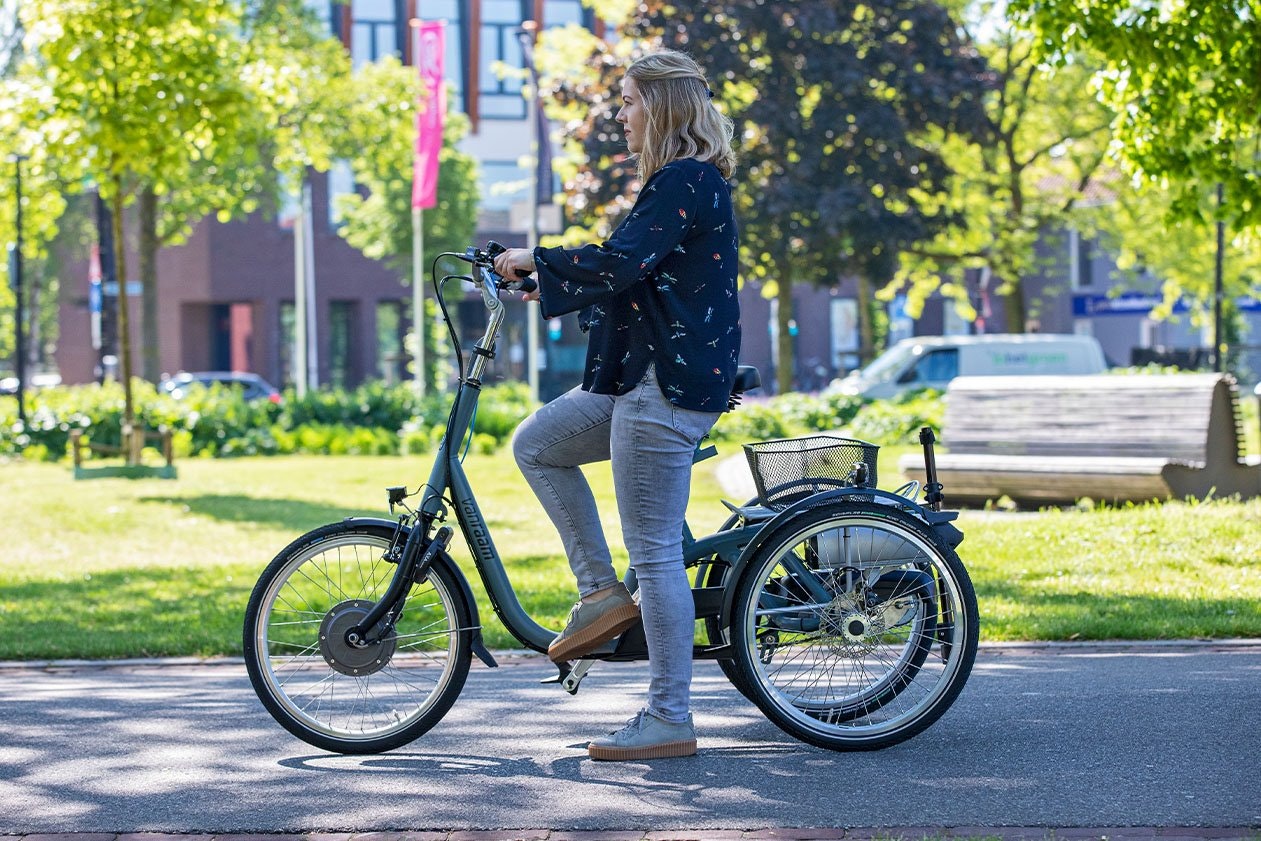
point(413, 567)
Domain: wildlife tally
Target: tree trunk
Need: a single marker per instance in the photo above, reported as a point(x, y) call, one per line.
point(866, 331)
point(784, 345)
point(148, 257)
point(124, 329)
point(1014, 309)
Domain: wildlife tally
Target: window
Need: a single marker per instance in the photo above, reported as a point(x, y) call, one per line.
point(1081, 256)
point(285, 352)
point(341, 343)
point(501, 21)
point(935, 367)
point(391, 355)
point(502, 183)
point(375, 32)
point(562, 12)
point(341, 182)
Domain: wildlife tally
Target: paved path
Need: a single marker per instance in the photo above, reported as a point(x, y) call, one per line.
point(1043, 736)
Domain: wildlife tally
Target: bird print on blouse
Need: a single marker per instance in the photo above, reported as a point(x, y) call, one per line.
point(661, 291)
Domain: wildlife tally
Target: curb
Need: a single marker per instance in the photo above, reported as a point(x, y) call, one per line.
point(1005, 833)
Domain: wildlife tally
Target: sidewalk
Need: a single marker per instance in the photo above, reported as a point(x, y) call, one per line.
point(1071, 741)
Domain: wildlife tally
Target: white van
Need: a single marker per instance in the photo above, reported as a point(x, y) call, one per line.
point(933, 361)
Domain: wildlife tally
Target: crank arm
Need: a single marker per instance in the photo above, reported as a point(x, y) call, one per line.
point(570, 675)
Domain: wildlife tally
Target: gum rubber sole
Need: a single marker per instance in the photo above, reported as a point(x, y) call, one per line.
point(665, 750)
point(594, 635)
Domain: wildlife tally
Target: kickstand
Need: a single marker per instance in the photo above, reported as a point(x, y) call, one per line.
point(570, 675)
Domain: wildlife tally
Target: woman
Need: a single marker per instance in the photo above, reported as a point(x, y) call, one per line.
point(664, 322)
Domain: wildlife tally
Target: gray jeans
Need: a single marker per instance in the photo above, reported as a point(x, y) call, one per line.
point(650, 442)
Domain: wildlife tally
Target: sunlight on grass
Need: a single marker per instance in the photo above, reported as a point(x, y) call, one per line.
point(113, 568)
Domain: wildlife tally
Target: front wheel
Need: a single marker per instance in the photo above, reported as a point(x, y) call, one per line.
point(341, 697)
point(854, 626)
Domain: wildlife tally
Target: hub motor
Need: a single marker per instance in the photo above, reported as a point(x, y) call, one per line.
point(350, 659)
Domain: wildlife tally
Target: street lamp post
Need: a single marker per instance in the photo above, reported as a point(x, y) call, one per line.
point(15, 279)
point(1217, 285)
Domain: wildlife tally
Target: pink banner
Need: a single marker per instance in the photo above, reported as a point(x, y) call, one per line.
point(431, 111)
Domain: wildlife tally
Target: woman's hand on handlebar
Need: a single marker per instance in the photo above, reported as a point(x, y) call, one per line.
point(517, 262)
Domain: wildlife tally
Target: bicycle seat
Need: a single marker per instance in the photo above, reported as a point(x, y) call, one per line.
point(747, 379)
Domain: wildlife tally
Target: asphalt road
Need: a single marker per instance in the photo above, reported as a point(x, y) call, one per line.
point(1059, 736)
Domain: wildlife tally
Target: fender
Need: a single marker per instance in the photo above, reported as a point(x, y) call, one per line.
point(938, 521)
point(479, 647)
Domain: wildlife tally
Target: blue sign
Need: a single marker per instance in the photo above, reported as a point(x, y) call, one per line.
point(94, 297)
point(1141, 303)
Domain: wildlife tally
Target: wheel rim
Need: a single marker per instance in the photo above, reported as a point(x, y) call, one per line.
point(322, 682)
point(858, 665)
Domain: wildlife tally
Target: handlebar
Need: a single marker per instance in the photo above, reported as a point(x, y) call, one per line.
point(484, 259)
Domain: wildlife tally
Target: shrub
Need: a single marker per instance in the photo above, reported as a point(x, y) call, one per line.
point(754, 422)
point(898, 421)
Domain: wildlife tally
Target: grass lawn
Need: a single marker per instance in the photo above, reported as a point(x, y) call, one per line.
point(117, 568)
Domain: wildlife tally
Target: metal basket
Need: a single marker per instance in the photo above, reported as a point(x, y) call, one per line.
point(789, 469)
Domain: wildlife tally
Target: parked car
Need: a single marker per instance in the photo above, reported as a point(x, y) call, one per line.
point(933, 361)
point(252, 386)
point(9, 385)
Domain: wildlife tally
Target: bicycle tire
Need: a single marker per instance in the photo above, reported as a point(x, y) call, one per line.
point(325, 692)
point(854, 673)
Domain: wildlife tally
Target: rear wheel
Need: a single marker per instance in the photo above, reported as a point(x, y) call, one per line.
point(835, 619)
point(342, 697)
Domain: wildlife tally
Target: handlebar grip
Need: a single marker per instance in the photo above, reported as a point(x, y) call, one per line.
point(527, 283)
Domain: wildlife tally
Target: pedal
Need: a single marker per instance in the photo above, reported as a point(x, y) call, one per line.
point(576, 673)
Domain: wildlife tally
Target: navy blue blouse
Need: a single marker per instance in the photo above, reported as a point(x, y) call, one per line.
point(661, 291)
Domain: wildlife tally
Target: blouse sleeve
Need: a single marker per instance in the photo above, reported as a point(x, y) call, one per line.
point(570, 279)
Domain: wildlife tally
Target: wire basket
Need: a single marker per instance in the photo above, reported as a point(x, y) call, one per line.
point(789, 469)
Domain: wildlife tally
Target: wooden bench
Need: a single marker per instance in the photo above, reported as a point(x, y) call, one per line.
point(131, 453)
point(1111, 438)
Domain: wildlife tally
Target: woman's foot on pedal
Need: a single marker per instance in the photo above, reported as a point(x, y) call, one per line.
point(594, 621)
point(646, 737)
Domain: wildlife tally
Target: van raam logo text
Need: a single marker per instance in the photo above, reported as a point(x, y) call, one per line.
point(1026, 359)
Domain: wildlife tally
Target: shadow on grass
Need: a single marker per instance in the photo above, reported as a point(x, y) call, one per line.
point(295, 514)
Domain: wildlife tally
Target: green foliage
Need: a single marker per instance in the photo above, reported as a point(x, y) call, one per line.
point(835, 106)
point(822, 411)
point(1045, 141)
point(373, 419)
point(379, 139)
point(1162, 252)
point(899, 420)
point(883, 422)
point(1183, 81)
point(501, 409)
point(754, 422)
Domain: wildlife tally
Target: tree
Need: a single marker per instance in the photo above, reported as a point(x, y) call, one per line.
point(832, 102)
point(1044, 144)
point(138, 91)
point(43, 172)
point(379, 138)
point(187, 105)
point(1159, 250)
point(1184, 80)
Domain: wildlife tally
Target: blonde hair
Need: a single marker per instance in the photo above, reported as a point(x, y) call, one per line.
point(681, 120)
